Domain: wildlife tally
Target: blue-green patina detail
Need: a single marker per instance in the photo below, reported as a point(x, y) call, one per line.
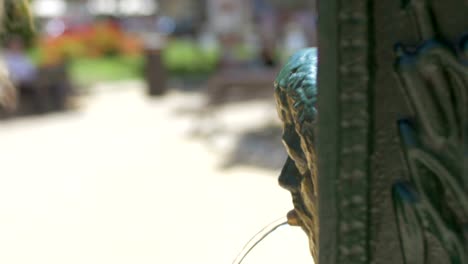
point(298, 79)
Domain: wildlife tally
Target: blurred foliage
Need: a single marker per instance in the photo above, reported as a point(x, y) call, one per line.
point(16, 20)
point(94, 41)
point(243, 52)
point(186, 57)
point(86, 71)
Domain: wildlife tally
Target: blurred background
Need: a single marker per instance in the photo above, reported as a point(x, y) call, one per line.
point(145, 131)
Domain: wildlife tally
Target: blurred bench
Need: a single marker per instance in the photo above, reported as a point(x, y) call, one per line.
point(236, 84)
point(48, 93)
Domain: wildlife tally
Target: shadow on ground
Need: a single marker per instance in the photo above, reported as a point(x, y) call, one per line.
point(260, 148)
point(239, 124)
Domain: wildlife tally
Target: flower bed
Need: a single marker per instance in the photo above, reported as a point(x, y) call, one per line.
point(101, 39)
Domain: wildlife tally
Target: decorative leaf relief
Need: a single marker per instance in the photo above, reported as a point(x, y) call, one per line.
point(421, 206)
point(434, 79)
point(435, 200)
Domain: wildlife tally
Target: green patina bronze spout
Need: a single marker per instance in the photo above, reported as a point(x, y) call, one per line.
point(296, 97)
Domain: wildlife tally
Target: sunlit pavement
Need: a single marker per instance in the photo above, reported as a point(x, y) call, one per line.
point(119, 181)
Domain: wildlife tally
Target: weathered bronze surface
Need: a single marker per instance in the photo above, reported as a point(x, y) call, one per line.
point(377, 161)
point(296, 96)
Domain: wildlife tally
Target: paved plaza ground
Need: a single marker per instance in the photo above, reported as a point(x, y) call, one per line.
point(123, 179)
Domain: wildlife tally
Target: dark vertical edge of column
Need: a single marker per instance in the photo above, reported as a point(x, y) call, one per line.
point(328, 129)
point(372, 66)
